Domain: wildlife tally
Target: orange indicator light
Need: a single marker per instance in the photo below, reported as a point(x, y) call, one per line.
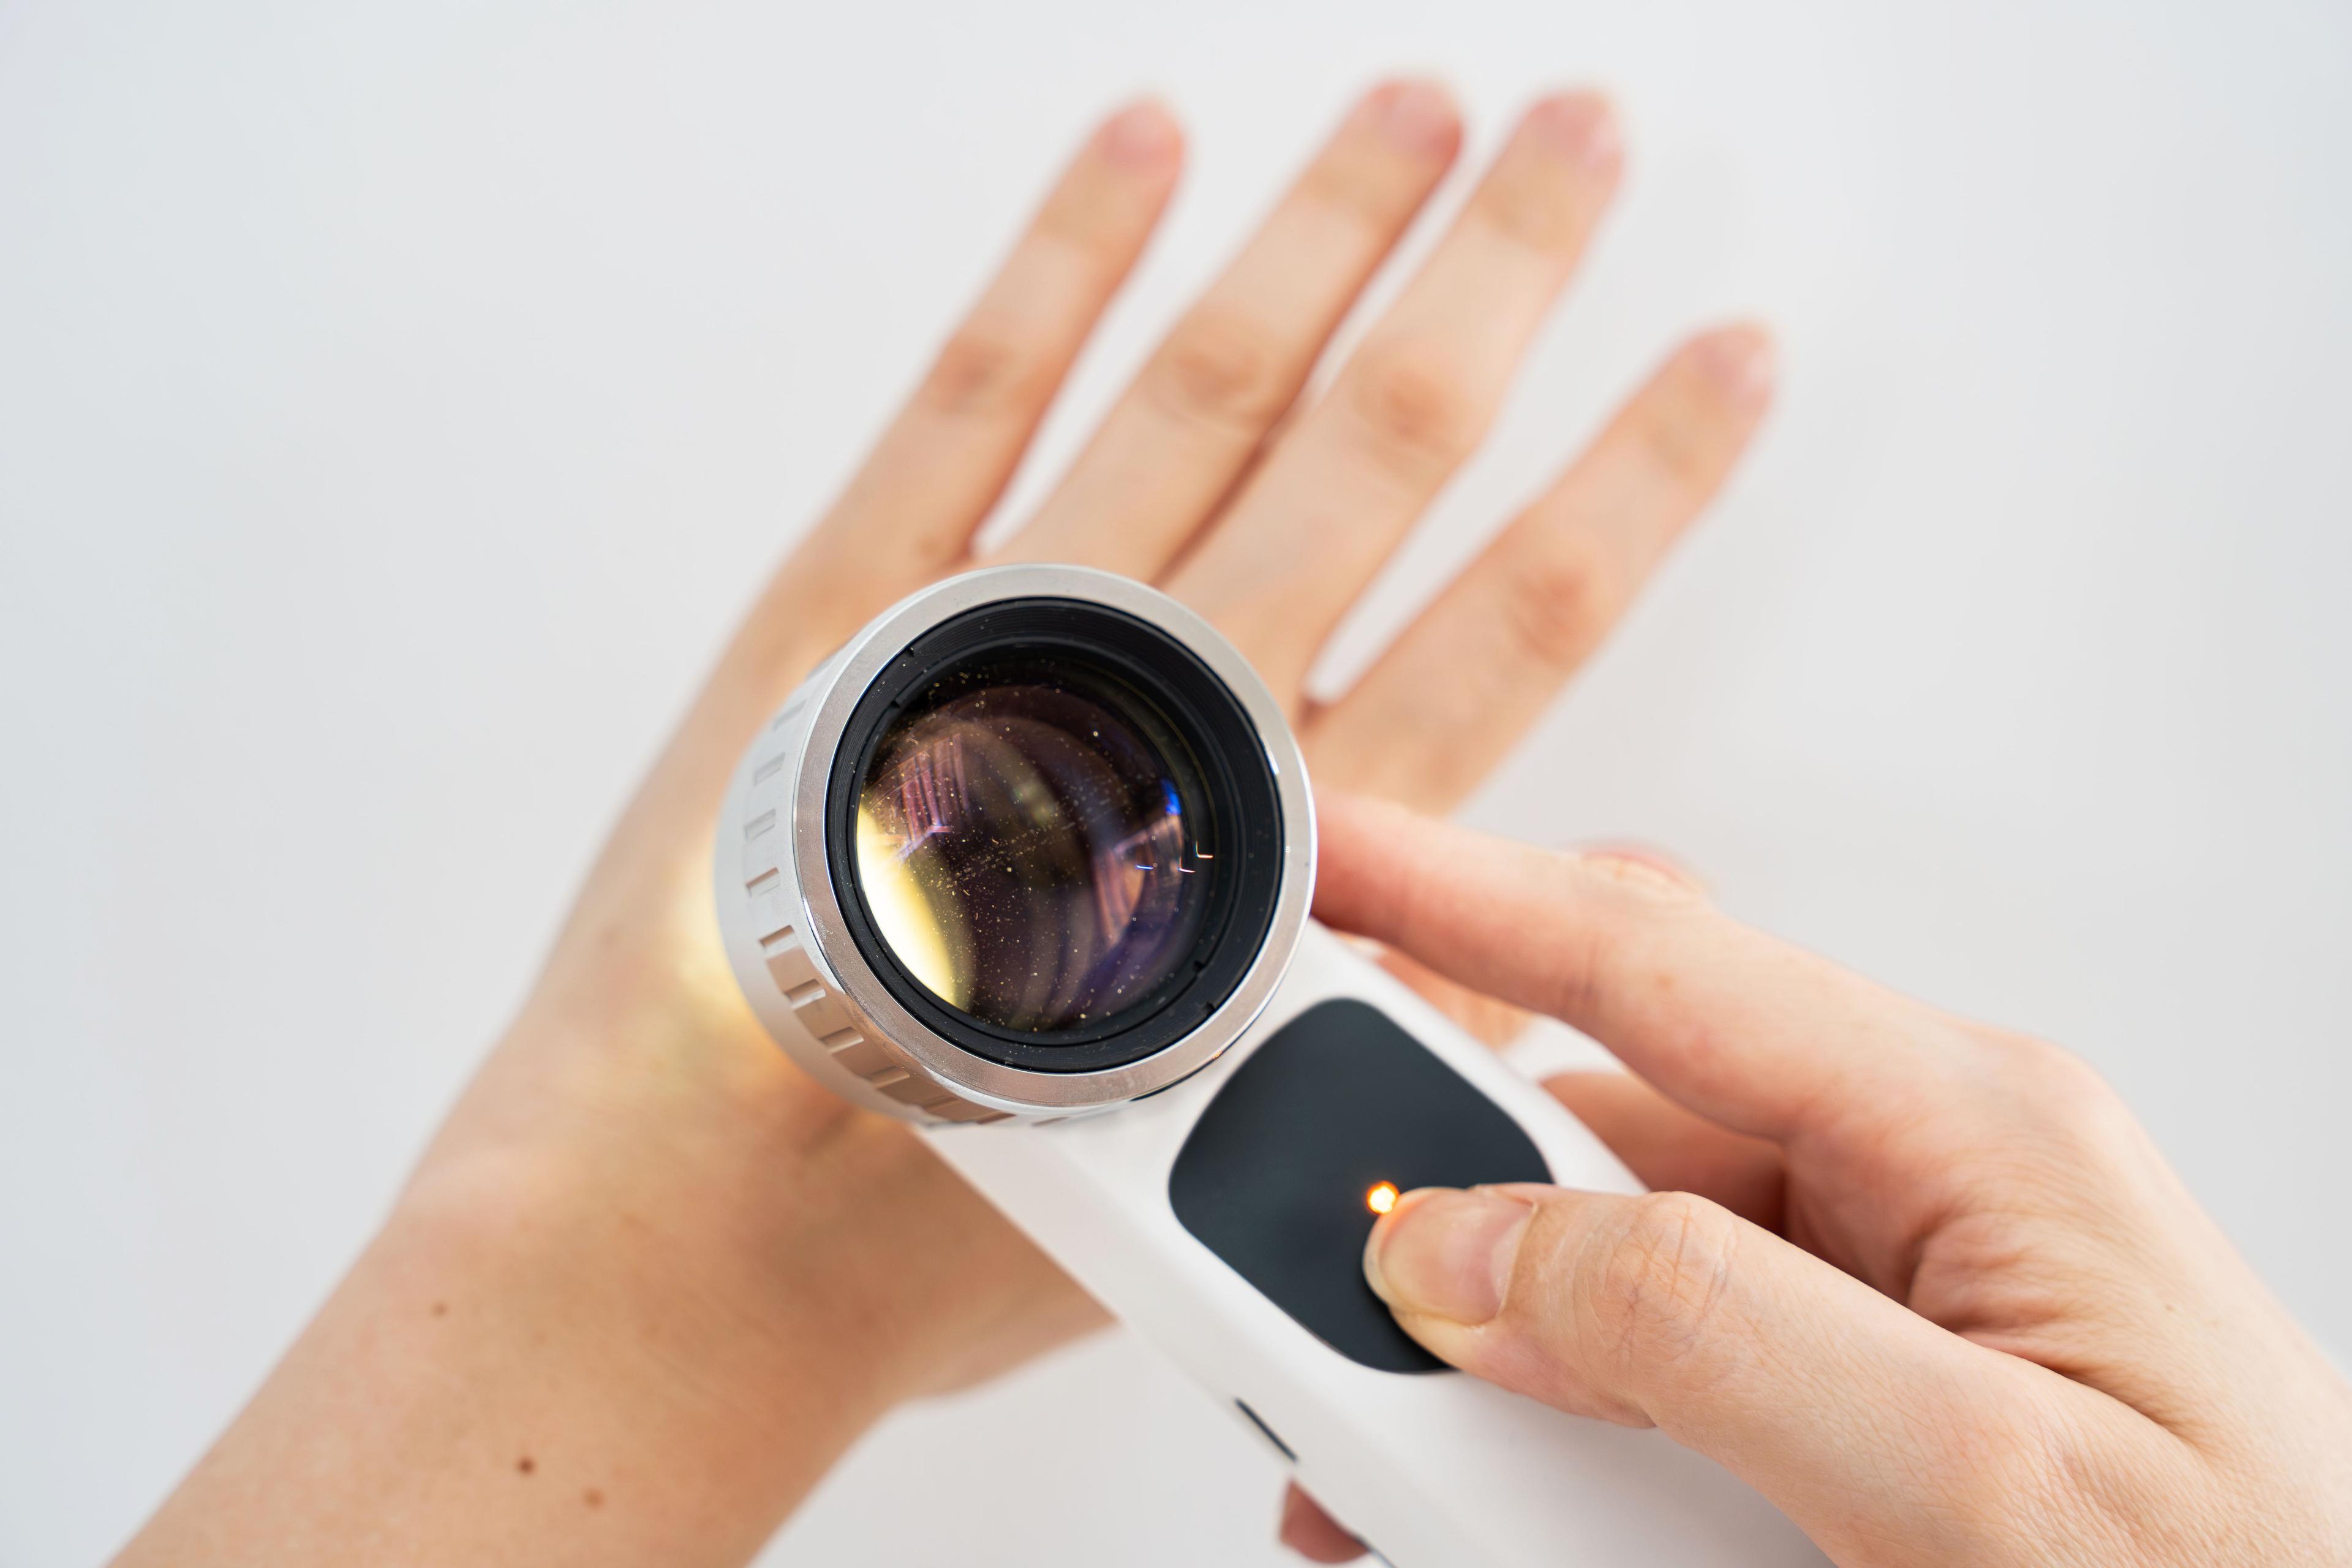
point(1381, 1198)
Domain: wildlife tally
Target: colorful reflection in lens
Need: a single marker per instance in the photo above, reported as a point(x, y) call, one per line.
point(1024, 847)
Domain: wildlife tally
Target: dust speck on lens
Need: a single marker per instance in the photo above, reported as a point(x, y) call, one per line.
point(1000, 860)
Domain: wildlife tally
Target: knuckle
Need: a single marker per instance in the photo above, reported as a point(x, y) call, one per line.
point(1659, 1276)
point(1685, 449)
point(1532, 208)
point(1557, 601)
point(1591, 961)
point(981, 371)
point(1217, 369)
point(2046, 1479)
point(1087, 220)
point(1419, 408)
point(1350, 189)
point(2070, 1102)
point(2052, 1075)
point(1659, 888)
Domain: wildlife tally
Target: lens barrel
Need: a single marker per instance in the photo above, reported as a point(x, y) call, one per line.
point(1036, 841)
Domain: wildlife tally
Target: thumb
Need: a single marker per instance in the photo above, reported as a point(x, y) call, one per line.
point(1854, 1415)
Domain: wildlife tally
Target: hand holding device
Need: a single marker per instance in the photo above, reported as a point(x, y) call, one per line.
point(1926, 1285)
point(1027, 862)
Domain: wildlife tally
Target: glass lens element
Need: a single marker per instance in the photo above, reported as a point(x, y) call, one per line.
point(1033, 844)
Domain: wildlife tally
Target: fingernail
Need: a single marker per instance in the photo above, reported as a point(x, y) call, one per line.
point(1580, 127)
point(1417, 116)
point(1738, 362)
point(1143, 135)
point(1447, 1254)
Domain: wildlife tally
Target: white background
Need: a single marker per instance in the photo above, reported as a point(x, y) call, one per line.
point(397, 401)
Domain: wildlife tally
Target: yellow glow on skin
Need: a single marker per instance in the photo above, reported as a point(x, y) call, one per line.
point(908, 921)
point(1381, 1198)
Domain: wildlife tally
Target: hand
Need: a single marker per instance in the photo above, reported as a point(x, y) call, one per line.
point(649, 1280)
point(1924, 1285)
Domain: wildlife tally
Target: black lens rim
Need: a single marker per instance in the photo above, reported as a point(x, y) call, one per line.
point(1227, 756)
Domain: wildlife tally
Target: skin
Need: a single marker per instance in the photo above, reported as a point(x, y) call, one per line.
point(1923, 1283)
point(649, 1281)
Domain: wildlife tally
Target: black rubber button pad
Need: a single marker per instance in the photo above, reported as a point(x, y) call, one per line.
point(1274, 1177)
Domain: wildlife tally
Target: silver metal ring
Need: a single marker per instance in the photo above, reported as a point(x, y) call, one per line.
point(889, 1039)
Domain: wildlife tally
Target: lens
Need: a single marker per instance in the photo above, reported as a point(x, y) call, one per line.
point(1035, 842)
point(1056, 834)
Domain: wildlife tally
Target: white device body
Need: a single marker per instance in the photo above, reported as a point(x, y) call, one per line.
point(1434, 1470)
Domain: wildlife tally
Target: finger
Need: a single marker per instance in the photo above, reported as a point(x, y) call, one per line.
point(909, 512)
point(1494, 1024)
point(1491, 1023)
point(1748, 1032)
point(1174, 444)
point(1673, 1150)
point(1314, 1534)
point(1665, 1145)
point(1938, 1154)
point(1411, 402)
point(1860, 1420)
point(1475, 669)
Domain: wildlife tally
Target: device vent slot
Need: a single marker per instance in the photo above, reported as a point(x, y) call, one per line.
point(768, 770)
point(1267, 1432)
point(758, 825)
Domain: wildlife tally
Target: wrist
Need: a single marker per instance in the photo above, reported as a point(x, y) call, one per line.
point(571, 1342)
point(519, 1368)
point(821, 1227)
point(714, 1242)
